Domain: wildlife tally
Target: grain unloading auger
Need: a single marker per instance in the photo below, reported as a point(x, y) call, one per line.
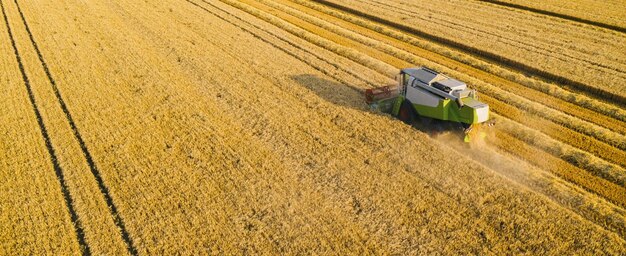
point(436, 100)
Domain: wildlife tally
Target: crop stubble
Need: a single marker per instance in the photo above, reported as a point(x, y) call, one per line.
point(202, 149)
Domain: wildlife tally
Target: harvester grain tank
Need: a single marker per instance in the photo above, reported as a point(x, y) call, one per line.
point(428, 95)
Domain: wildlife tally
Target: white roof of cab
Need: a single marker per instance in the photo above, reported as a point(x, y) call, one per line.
point(424, 75)
point(453, 84)
point(429, 76)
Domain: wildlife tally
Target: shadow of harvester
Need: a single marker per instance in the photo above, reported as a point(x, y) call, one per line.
point(333, 92)
point(354, 97)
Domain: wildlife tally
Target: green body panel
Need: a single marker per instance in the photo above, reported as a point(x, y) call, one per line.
point(447, 110)
point(472, 118)
point(385, 105)
point(396, 105)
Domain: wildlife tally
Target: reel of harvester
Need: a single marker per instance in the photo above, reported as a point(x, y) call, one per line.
point(382, 98)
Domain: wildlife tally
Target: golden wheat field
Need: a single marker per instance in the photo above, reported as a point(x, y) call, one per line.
point(239, 127)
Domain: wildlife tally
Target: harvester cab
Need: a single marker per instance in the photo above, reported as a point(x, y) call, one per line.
point(429, 96)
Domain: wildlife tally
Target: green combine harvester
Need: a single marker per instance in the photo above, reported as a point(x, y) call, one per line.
point(438, 101)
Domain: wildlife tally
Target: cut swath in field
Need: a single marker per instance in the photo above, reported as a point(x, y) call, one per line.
point(609, 195)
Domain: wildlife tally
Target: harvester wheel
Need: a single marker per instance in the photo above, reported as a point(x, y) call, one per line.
point(465, 126)
point(406, 113)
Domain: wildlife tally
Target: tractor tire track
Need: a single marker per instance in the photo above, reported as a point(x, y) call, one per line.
point(556, 15)
point(92, 165)
point(571, 84)
point(69, 203)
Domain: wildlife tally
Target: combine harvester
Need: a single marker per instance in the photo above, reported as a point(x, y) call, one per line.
point(438, 101)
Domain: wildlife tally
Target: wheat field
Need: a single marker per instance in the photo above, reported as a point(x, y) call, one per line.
point(240, 127)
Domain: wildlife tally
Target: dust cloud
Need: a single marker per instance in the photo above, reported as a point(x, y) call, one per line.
point(483, 152)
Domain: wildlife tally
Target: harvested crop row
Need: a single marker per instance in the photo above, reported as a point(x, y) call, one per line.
point(598, 68)
point(590, 144)
point(609, 171)
point(563, 135)
point(566, 152)
point(600, 63)
point(551, 89)
point(193, 144)
point(363, 76)
point(531, 43)
point(370, 62)
point(605, 14)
